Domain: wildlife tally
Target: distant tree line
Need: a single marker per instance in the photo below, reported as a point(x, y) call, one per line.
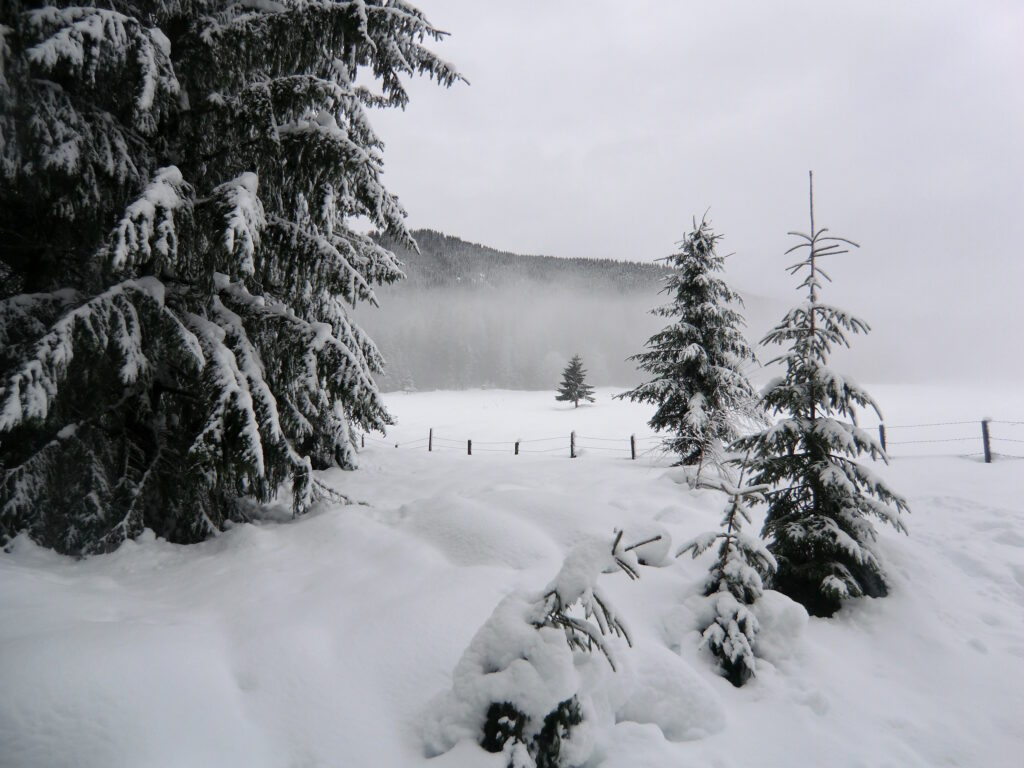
point(447, 261)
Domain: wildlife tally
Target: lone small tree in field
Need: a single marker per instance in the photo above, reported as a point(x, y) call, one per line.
point(574, 386)
point(696, 362)
point(820, 500)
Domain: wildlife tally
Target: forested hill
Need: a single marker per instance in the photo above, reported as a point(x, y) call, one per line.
point(471, 316)
point(446, 261)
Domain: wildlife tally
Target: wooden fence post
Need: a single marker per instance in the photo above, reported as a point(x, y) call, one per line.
point(430, 440)
point(632, 447)
point(985, 441)
point(572, 445)
point(881, 435)
point(517, 447)
point(469, 447)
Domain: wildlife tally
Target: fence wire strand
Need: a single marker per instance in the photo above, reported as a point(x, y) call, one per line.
point(933, 424)
point(940, 440)
point(647, 445)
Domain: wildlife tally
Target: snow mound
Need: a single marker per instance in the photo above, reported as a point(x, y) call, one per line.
point(528, 667)
point(58, 711)
point(508, 660)
point(782, 623)
point(470, 533)
point(670, 694)
point(635, 745)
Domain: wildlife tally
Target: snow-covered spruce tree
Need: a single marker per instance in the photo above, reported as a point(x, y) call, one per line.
point(734, 583)
point(574, 385)
point(177, 181)
point(821, 499)
point(518, 687)
point(697, 383)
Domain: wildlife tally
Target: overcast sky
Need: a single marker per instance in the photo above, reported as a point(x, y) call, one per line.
point(600, 128)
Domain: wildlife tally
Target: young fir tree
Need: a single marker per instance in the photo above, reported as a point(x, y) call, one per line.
point(177, 181)
point(821, 500)
point(698, 385)
point(734, 583)
point(520, 687)
point(574, 386)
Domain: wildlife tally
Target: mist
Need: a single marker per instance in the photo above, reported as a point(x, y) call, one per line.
point(522, 336)
point(513, 338)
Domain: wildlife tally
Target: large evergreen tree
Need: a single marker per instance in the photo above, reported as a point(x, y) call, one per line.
point(821, 500)
point(574, 385)
point(177, 183)
point(697, 383)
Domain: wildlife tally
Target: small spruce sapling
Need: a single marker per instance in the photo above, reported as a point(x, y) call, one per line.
point(734, 582)
point(574, 386)
point(821, 499)
point(518, 687)
point(696, 363)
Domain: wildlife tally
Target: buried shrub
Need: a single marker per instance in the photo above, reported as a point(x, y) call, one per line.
point(518, 688)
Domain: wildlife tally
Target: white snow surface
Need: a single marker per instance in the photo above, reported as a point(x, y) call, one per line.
point(328, 640)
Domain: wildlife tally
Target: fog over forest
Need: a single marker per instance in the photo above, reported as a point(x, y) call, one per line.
point(471, 316)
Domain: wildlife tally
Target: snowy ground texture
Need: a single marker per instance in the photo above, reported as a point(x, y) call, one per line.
point(331, 640)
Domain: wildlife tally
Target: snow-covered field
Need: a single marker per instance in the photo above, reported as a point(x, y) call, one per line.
point(327, 641)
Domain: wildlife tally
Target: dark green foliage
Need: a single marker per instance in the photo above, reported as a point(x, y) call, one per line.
point(574, 386)
point(505, 724)
point(821, 500)
point(177, 269)
point(696, 362)
point(558, 725)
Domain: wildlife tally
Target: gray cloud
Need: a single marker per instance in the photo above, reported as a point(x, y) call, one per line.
point(599, 128)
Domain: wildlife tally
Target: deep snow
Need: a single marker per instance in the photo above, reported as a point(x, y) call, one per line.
point(331, 640)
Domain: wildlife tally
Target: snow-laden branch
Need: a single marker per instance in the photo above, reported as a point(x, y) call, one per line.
point(88, 41)
point(232, 426)
point(244, 218)
point(109, 324)
point(149, 223)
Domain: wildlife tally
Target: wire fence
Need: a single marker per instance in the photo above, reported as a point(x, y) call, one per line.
point(991, 439)
point(571, 445)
